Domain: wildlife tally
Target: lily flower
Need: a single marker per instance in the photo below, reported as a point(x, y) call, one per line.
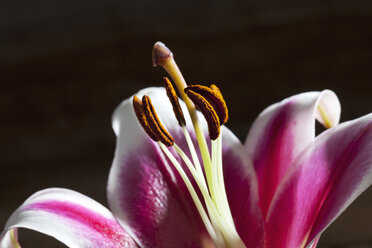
point(180, 178)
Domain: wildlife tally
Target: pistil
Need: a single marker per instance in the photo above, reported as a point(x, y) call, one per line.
point(161, 55)
point(216, 215)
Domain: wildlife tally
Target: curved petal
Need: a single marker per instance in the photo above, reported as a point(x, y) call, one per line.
point(70, 217)
point(328, 177)
point(282, 131)
point(144, 193)
point(9, 238)
point(149, 198)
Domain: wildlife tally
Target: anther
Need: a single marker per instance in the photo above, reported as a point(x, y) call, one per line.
point(160, 54)
point(207, 110)
point(213, 95)
point(215, 88)
point(154, 122)
point(172, 95)
point(138, 109)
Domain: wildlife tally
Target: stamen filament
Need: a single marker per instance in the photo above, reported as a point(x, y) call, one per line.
point(171, 67)
point(203, 188)
point(218, 198)
point(193, 153)
point(12, 233)
point(200, 182)
point(193, 194)
point(221, 181)
point(215, 213)
point(323, 114)
point(219, 220)
point(215, 190)
point(212, 209)
point(164, 57)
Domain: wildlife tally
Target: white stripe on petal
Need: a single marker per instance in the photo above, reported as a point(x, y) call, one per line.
point(72, 218)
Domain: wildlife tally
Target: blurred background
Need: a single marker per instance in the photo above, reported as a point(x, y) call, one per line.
point(65, 65)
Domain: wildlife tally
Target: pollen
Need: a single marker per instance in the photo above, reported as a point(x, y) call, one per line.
point(150, 122)
point(213, 95)
point(152, 118)
point(138, 109)
point(212, 203)
point(207, 110)
point(172, 95)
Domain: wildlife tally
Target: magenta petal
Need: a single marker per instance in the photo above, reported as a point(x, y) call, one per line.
point(70, 217)
point(314, 243)
point(328, 177)
point(150, 200)
point(151, 204)
point(143, 191)
point(242, 191)
point(281, 133)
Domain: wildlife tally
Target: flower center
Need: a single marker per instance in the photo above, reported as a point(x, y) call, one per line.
point(216, 214)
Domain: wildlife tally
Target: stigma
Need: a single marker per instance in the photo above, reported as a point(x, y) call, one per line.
point(213, 205)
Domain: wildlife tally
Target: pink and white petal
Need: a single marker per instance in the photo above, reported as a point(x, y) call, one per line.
point(314, 243)
point(144, 192)
point(8, 239)
point(282, 131)
point(70, 217)
point(148, 196)
point(328, 177)
point(242, 191)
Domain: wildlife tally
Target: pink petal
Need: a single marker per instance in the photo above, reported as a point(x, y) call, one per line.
point(149, 198)
point(314, 243)
point(328, 177)
point(144, 192)
point(280, 134)
point(70, 217)
point(242, 191)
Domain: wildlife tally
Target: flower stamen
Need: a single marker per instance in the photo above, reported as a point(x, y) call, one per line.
point(150, 122)
point(215, 212)
point(207, 110)
point(194, 195)
point(213, 95)
point(138, 110)
point(161, 55)
point(154, 122)
point(172, 95)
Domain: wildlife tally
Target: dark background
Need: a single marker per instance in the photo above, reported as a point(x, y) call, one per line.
point(65, 65)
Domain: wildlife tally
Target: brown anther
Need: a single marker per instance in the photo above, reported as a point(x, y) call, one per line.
point(160, 53)
point(224, 110)
point(138, 109)
point(213, 95)
point(207, 110)
point(215, 88)
point(154, 122)
point(172, 95)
